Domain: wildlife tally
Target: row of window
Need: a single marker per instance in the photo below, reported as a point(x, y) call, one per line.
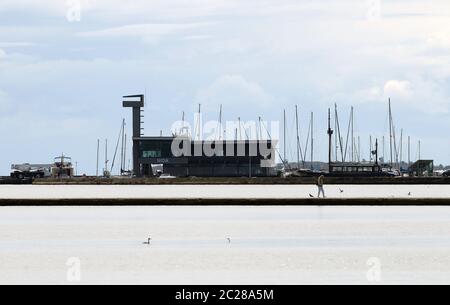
point(353, 169)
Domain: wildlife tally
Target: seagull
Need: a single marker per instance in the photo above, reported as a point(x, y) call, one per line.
point(148, 242)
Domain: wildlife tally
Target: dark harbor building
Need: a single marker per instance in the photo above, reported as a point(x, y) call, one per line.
point(183, 157)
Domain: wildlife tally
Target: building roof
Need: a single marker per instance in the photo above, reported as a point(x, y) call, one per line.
point(171, 138)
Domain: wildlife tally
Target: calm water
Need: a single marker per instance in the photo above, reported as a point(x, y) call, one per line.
point(225, 245)
point(222, 191)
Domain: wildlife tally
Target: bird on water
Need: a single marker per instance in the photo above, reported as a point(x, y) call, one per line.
point(148, 242)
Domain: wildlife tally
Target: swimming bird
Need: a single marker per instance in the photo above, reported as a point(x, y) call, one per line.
point(341, 190)
point(409, 194)
point(311, 196)
point(148, 242)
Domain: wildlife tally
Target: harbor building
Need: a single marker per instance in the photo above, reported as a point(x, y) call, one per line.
point(184, 157)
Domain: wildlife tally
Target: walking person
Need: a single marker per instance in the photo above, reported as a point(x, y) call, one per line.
point(320, 183)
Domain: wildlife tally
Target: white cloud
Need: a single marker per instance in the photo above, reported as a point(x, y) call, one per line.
point(308, 52)
point(426, 96)
point(398, 89)
point(372, 94)
point(51, 6)
point(149, 33)
point(415, 95)
point(16, 44)
point(196, 37)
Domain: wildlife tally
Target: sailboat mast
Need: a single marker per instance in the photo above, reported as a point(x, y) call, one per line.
point(122, 160)
point(298, 137)
point(401, 148)
point(330, 142)
point(312, 140)
point(284, 133)
point(200, 122)
point(124, 145)
point(409, 150)
point(106, 155)
point(98, 155)
point(260, 128)
point(353, 137)
point(336, 134)
point(376, 152)
point(359, 149)
point(220, 123)
point(420, 156)
point(240, 130)
point(390, 133)
point(182, 123)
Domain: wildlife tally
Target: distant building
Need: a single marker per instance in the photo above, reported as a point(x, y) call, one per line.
point(422, 168)
point(158, 151)
point(183, 157)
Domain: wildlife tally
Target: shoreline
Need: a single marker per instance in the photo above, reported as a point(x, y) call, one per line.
point(246, 181)
point(225, 202)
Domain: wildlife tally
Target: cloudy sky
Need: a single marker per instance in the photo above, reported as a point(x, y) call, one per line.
point(63, 70)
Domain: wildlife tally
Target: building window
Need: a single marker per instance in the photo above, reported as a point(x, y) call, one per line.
point(151, 154)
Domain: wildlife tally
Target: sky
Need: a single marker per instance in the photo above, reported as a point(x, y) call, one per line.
point(64, 66)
